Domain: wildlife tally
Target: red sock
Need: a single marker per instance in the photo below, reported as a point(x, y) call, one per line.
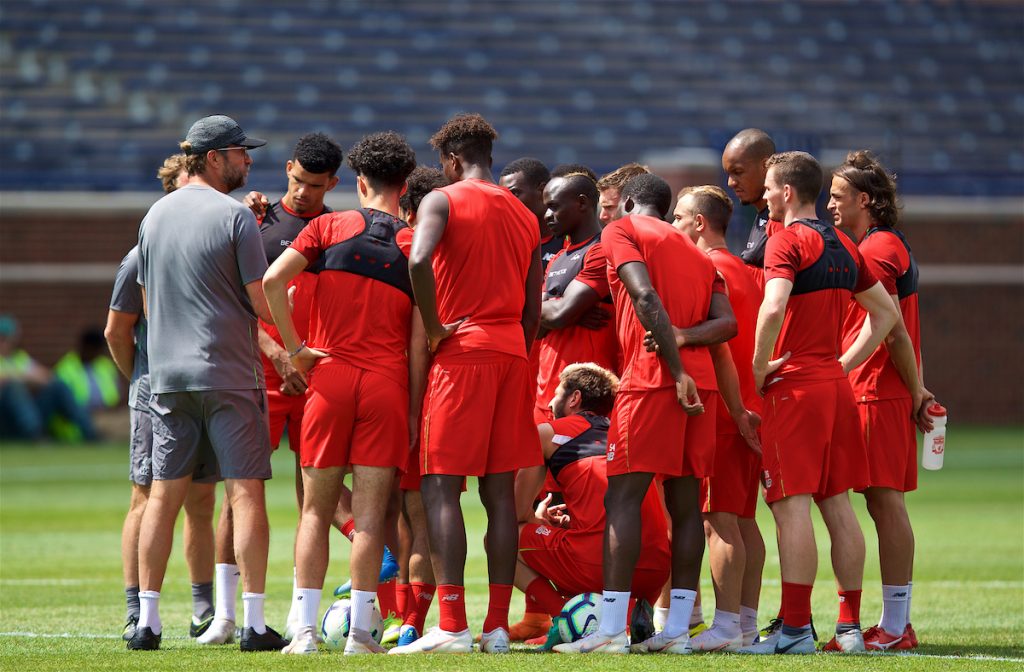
point(420, 597)
point(796, 604)
point(348, 528)
point(541, 598)
point(402, 599)
point(497, 607)
point(386, 598)
point(849, 606)
point(782, 612)
point(451, 601)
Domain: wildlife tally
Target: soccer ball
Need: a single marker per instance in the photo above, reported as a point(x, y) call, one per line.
point(579, 617)
point(335, 625)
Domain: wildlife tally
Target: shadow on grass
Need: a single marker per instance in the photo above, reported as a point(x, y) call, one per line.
point(968, 650)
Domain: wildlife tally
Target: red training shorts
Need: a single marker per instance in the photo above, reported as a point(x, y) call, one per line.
point(736, 481)
point(891, 440)
point(477, 416)
point(285, 410)
point(650, 433)
point(354, 416)
point(811, 441)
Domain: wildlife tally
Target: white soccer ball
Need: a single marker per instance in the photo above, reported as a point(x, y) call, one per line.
point(579, 616)
point(334, 627)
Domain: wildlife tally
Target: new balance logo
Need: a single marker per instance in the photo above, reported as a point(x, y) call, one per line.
point(609, 600)
point(899, 594)
point(450, 597)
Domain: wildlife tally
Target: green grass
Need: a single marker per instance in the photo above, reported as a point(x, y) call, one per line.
point(61, 510)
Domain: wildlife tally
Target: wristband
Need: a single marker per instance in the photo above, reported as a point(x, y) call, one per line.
point(297, 350)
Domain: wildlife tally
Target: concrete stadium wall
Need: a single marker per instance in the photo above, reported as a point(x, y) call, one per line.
point(59, 254)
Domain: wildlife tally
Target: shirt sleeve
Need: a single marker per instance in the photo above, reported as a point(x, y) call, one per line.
point(619, 246)
point(127, 295)
point(865, 277)
point(308, 242)
point(718, 285)
point(140, 275)
point(252, 260)
point(782, 256)
point(594, 273)
point(404, 240)
point(882, 255)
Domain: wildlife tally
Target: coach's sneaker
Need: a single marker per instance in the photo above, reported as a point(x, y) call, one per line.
point(641, 621)
point(303, 643)
point(438, 641)
point(532, 625)
point(596, 643)
point(129, 628)
point(361, 643)
point(851, 641)
point(495, 641)
point(877, 639)
point(552, 639)
point(144, 639)
point(268, 641)
point(711, 640)
point(199, 625)
point(783, 644)
point(660, 643)
point(221, 631)
point(407, 634)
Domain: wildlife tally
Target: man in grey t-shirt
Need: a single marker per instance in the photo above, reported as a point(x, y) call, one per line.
point(201, 264)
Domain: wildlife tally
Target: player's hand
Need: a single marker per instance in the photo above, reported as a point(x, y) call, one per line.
point(256, 202)
point(760, 375)
point(652, 345)
point(921, 403)
point(559, 515)
point(686, 393)
point(293, 383)
point(306, 358)
point(748, 423)
point(595, 318)
point(434, 340)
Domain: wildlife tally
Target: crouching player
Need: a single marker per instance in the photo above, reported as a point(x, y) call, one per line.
point(356, 414)
point(566, 550)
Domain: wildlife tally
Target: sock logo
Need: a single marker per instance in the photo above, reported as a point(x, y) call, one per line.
point(299, 598)
point(610, 599)
point(450, 597)
point(899, 594)
point(678, 597)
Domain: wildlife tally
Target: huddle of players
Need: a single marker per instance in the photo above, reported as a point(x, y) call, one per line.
point(385, 337)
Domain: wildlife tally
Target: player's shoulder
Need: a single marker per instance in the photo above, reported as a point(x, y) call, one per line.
point(568, 428)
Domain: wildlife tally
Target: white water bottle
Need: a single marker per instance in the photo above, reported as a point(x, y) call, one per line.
point(934, 441)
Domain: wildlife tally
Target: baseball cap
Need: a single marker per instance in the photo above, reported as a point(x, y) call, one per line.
point(217, 132)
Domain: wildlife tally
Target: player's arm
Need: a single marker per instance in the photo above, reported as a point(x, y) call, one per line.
point(419, 366)
point(431, 222)
point(530, 481)
point(120, 335)
point(654, 318)
point(718, 328)
point(729, 388)
point(882, 316)
point(258, 300)
point(293, 382)
point(769, 324)
point(579, 298)
point(275, 285)
point(531, 309)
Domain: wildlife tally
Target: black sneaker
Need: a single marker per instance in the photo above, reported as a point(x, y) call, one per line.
point(144, 640)
point(129, 628)
point(268, 641)
point(198, 626)
point(641, 623)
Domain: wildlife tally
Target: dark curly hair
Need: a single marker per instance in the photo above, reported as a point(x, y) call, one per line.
point(318, 153)
point(532, 169)
point(567, 169)
point(648, 189)
point(466, 135)
point(865, 173)
point(385, 159)
point(421, 182)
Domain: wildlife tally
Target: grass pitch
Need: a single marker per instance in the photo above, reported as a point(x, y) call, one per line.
point(62, 603)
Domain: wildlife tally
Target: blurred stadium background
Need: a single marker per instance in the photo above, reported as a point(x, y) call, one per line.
point(96, 93)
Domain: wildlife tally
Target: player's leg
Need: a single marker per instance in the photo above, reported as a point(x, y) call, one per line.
point(226, 577)
point(848, 555)
point(387, 589)
point(888, 509)
point(682, 500)
point(421, 573)
point(502, 545)
point(750, 593)
point(130, 556)
point(199, 553)
point(727, 559)
point(623, 527)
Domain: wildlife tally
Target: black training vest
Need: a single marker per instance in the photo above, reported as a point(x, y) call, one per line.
point(590, 443)
point(279, 228)
point(374, 253)
point(565, 268)
point(906, 284)
point(835, 268)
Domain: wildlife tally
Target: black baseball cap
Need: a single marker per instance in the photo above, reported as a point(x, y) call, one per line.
point(217, 132)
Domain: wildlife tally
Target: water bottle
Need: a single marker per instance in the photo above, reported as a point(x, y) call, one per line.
point(934, 441)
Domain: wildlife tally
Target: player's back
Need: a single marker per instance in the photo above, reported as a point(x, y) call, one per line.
point(480, 266)
point(683, 277)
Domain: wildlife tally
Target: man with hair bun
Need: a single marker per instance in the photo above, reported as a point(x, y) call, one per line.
point(362, 323)
point(813, 448)
point(476, 274)
point(888, 386)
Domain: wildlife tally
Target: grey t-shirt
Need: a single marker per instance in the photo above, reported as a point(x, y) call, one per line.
point(198, 248)
point(127, 298)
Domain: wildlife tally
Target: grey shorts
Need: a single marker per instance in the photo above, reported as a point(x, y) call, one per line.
point(225, 428)
point(140, 469)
